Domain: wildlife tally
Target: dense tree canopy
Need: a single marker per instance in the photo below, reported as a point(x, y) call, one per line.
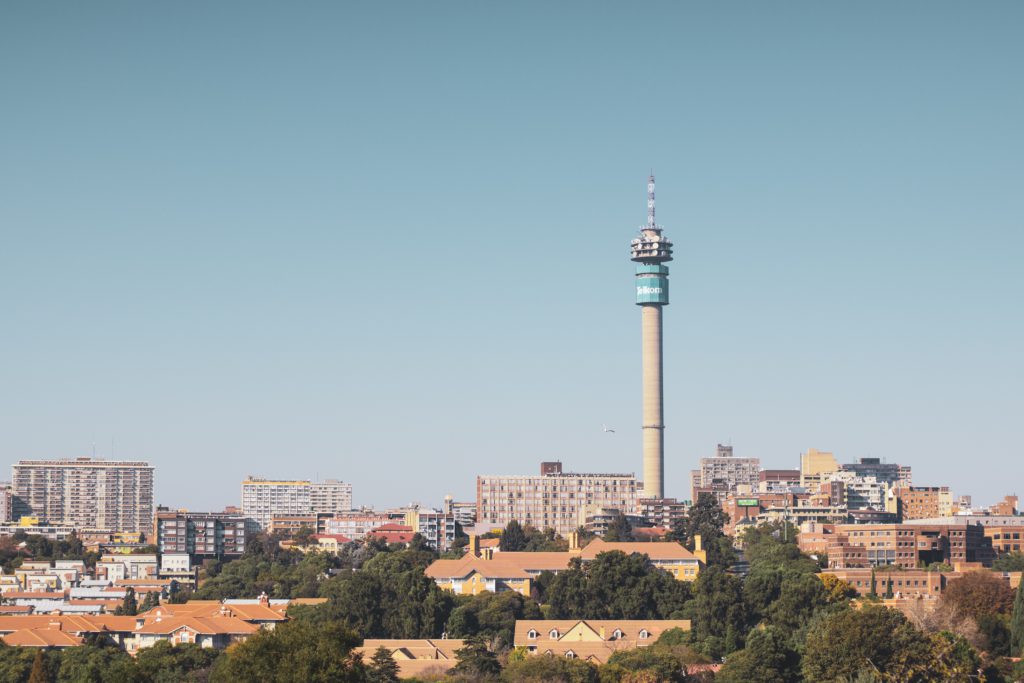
point(872, 638)
point(616, 586)
point(979, 594)
point(767, 658)
point(1009, 562)
point(513, 538)
point(294, 652)
point(491, 615)
point(1017, 624)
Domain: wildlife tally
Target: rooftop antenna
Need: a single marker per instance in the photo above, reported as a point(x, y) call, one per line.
point(651, 223)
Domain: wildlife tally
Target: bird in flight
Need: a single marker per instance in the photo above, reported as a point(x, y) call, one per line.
point(608, 429)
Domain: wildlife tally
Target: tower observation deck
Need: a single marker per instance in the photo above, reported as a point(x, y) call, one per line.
point(651, 250)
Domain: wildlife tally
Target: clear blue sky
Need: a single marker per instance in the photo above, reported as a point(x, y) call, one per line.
point(388, 242)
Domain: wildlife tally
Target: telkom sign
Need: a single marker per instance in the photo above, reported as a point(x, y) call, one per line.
point(651, 284)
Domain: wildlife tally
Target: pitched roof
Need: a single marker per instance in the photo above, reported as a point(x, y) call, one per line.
point(41, 637)
point(630, 629)
point(70, 623)
point(203, 625)
point(212, 608)
point(506, 565)
point(655, 551)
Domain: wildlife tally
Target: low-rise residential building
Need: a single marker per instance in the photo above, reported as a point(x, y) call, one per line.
point(116, 567)
point(592, 640)
point(180, 568)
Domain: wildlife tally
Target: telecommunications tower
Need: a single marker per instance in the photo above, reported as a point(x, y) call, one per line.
point(651, 250)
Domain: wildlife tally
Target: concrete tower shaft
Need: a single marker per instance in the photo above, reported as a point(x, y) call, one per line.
point(653, 403)
point(650, 250)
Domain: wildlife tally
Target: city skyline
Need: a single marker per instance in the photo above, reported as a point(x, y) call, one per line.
point(191, 260)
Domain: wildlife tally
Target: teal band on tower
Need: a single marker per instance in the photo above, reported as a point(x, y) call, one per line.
point(651, 284)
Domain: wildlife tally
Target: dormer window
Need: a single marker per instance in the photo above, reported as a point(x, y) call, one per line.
point(532, 635)
point(554, 634)
point(569, 654)
point(644, 635)
point(617, 634)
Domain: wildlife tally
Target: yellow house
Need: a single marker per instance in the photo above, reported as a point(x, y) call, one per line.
point(473, 575)
point(591, 640)
point(502, 571)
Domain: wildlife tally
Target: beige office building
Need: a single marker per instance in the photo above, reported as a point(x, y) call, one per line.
point(86, 493)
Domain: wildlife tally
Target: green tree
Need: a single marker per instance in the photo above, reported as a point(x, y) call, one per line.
point(151, 600)
point(38, 673)
point(619, 530)
point(16, 663)
point(767, 658)
point(873, 637)
point(616, 586)
point(476, 661)
point(548, 669)
point(89, 663)
point(382, 667)
point(719, 613)
point(800, 596)
point(294, 652)
point(706, 519)
point(659, 664)
point(167, 663)
point(129, 607)
point(977, 594)
point(492, 616)
point(389, 597)
point(1009, 562)
point(1017, 624)
point(513, 538)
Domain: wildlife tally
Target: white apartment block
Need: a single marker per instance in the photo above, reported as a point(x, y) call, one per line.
point(85, 493)
point(264, 498)
point(553, 499)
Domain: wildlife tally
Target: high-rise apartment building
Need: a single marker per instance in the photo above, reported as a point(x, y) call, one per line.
point(264, 498)
point(723, 473)
point(202, 534)
point(553, 499)
point(86, 493)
